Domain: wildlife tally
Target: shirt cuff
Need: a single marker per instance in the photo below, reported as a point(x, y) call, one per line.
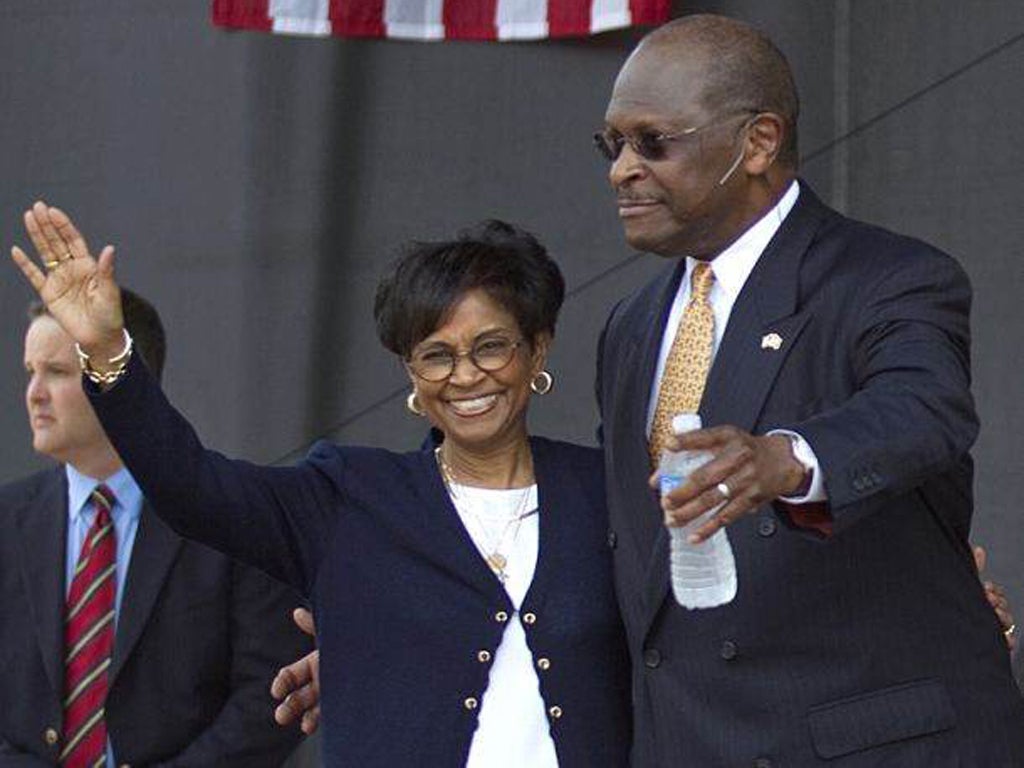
point(805, 455)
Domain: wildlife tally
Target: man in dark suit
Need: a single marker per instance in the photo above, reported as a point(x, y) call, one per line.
point(835, 396)
point(191, 638)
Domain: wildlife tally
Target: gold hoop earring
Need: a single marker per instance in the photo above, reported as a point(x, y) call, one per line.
point(542, 383)
point(413, 404)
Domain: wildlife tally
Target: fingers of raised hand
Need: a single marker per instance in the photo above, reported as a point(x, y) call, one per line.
point(52, 240)
point(68, 234)
point(35, 234)
point(54, 235)
point(32, 273)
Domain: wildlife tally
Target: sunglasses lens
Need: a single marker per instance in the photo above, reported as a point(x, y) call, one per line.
point(649, 146)
point(608, 147)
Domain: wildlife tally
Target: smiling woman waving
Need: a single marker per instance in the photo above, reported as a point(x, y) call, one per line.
point(463, 592)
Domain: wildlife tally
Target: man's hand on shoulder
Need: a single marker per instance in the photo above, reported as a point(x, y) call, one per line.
point(297, 685)
point(996, 597)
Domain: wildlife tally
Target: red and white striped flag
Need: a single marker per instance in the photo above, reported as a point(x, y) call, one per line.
point(439, 19)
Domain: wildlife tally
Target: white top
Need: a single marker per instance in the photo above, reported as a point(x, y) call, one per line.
point(513, 729)
point(732, 267)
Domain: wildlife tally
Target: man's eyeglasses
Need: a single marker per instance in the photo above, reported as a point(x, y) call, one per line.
point(652, 145)
point(489, 355)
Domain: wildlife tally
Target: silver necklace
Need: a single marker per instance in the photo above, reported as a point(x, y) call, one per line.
point(494, 554)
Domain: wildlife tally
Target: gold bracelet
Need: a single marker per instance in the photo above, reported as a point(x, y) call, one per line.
point(120, 361)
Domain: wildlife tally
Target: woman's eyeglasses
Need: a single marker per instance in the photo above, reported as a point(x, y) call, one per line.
point(438, 363)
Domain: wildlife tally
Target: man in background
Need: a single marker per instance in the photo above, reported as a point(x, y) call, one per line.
point(121, 643)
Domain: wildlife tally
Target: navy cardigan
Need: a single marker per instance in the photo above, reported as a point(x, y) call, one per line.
point(405, 606)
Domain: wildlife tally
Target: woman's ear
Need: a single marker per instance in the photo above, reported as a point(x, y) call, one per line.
point(410, 374)
point(540, 346)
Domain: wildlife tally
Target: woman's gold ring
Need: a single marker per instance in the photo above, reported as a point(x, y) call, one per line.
point(51, 264)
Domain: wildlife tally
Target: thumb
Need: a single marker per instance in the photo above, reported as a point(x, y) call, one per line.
point(105, 264)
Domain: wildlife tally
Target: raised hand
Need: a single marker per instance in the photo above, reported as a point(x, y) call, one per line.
point(78, 290)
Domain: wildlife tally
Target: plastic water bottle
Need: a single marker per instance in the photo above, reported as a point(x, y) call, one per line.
point(703, 575)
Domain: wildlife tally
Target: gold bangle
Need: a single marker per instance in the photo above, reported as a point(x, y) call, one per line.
point(120, 361)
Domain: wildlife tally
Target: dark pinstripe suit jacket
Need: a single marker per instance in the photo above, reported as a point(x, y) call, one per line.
point(874, 646)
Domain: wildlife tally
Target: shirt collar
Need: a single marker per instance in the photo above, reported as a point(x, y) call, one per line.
point(733, 266)
point(121, 483)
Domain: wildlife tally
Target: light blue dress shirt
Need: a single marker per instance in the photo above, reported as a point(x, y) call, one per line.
point(81, 513)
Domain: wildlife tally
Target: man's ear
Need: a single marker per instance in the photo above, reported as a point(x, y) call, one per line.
point(764, 142)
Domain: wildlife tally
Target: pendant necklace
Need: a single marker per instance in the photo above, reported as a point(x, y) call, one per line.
point(492, 552)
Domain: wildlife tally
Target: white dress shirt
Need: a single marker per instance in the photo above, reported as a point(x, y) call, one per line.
point(732, 267)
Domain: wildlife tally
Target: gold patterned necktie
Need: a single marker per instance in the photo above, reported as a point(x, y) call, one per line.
point(688, 362)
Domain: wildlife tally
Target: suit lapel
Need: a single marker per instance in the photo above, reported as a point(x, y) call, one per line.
point(639, 369)
point(153, 553)
point(763, 327)
point(43, 525)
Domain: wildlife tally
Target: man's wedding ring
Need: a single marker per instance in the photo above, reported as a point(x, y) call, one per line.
point(723, 489)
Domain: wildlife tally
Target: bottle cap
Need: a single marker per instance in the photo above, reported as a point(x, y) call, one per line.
point(685, 422)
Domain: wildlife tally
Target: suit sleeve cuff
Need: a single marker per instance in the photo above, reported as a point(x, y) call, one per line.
point(803, 453)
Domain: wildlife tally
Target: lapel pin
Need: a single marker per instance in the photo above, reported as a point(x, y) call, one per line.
point(771, 341)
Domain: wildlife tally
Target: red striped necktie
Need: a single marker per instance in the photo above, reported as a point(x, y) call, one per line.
point(89, 640)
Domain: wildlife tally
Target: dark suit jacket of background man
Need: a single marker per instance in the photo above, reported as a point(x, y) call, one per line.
point(876, 643)
point(198, 641)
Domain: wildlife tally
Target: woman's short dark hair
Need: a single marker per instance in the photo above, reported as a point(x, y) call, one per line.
point(514, 269)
